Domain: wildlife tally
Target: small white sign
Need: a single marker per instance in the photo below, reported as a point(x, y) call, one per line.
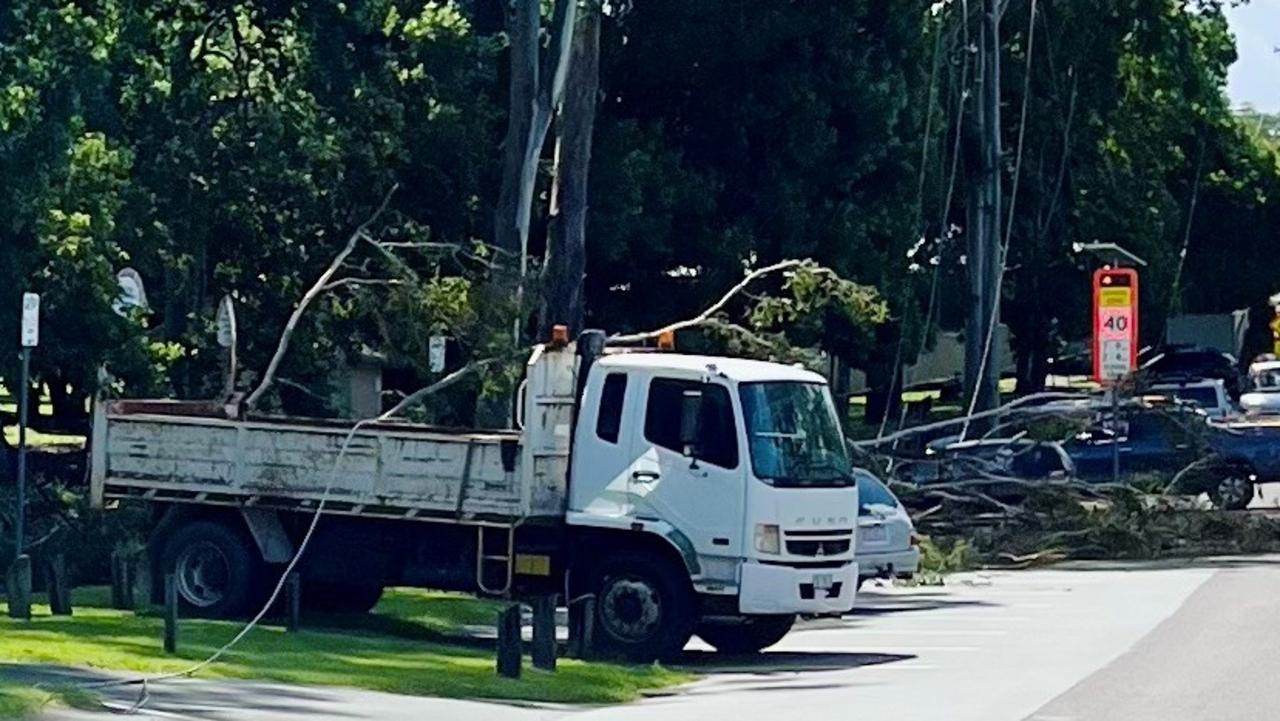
point(30, 320)
point(1116, 354)
point(132, 292)
point(226, 322)
point(435, 353)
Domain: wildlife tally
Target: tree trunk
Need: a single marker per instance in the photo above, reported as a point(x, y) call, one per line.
point(566, 258)
point(522, 31)
point(535, 91)
point(881, 376)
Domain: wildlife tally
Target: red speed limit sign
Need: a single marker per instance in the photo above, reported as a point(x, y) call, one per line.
point(1115, 323)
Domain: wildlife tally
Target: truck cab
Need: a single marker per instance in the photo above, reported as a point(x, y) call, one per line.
point(732, 472)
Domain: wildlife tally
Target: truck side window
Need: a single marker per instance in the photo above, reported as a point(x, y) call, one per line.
point(719, 443)
point(609, 419)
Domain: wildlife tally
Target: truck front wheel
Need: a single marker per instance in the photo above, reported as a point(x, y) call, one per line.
point(215, 568)
point(750, 634)
point(644, 608)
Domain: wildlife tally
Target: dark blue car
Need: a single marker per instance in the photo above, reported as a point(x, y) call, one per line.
point(1228, 461)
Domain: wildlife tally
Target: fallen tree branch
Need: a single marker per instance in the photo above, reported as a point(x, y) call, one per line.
point(269, 376)
point(466, 370)
point(1006, 408)
point(705, 316)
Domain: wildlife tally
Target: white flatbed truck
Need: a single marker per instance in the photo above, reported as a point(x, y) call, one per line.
point(687, 494)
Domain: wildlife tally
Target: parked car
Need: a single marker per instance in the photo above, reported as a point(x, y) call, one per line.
point(1232, 460)
point(951, 460)
point(1178, 363)
point(1262, 389)
point(887, 541)
point(1208, 394)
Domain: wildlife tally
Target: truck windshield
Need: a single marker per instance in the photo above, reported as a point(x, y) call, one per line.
point(794, 435)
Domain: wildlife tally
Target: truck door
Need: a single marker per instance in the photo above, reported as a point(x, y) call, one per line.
point(701, 496)
point(602, 460)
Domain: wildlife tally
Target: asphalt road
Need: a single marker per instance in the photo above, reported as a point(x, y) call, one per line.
point(1174, 642)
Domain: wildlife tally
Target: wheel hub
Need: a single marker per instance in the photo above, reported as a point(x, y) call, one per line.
point(631, 608)
point(202, 574)
point(1234, 490)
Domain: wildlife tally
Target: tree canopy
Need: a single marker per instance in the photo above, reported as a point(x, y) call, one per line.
point(233, 148)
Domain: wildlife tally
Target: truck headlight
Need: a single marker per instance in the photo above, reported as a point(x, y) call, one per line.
point(768, 538)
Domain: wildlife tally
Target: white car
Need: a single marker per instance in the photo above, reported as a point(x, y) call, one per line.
point(1262, 391)
point(1209, 394)
point(887, 541)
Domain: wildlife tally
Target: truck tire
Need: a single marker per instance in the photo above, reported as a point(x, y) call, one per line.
point(752, 634)
point(327, 597)
point(645, 607)
point(1234, 491)
point(216, 569)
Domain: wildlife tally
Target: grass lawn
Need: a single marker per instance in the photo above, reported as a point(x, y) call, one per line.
point(35, 439)
point(395, 650)
point(17, 702)
point(47, 441)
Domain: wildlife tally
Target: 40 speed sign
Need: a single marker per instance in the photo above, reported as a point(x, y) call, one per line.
point(1115, 323)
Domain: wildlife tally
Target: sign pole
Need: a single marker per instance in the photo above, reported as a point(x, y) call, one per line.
point(1115, 429)
point(19, 533)
point(30, 338)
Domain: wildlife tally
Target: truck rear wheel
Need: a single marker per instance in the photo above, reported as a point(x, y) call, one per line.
point(751, 634)
point(644, 607)
point(215, 568)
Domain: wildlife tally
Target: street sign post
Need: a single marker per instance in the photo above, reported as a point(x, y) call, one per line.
point(30, 338)
point(1115, 323)
point(1115, 340)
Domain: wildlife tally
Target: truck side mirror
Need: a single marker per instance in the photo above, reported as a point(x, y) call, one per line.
point(690, 421)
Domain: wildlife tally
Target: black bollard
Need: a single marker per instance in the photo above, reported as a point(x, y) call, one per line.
point(509, 642)
point(59, 586)
point(139, 595)
point(119, 581)
point(544, 633)
point(293, 602)
point(170, 613)
point(18, 583)
point(582, 616)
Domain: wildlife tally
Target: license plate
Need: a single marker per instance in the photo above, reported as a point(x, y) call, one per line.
point(873, 534)
point(823, 581)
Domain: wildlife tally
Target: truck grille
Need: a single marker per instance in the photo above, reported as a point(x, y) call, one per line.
point(833, 542)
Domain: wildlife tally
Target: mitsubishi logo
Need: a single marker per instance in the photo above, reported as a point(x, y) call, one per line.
point(820, 551)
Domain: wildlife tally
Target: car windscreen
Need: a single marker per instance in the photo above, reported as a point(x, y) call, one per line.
point(794, 435)
point(873, 492)
point(1203, 396)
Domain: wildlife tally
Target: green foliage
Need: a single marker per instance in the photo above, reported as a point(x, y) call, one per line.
point(941, 556)
point(773, 130)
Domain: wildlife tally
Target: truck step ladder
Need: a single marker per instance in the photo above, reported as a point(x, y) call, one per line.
point(500, 559)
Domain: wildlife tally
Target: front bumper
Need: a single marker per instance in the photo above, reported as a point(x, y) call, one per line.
point(900, 564)
point(770, 589)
